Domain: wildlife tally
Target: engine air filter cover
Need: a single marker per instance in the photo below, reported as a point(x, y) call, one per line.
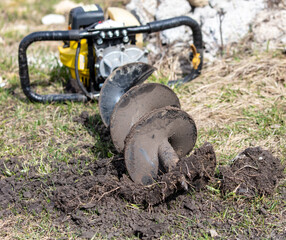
point(84, 16)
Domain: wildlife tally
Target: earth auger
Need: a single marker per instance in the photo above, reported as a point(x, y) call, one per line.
point(145, 122)
point(107, 61)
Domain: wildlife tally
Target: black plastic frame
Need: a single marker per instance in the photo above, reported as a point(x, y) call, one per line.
point(76, 35)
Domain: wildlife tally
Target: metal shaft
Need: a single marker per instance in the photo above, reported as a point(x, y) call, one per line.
point(168, 158)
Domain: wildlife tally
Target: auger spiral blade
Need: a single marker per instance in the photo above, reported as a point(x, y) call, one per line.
point(157, 141)
point(119, 82)
point(134, 104)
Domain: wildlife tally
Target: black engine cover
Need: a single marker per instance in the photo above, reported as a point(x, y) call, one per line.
point(84, 16)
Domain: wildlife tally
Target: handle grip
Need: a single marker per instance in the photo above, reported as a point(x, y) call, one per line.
point(161, 25)
point(24, 70)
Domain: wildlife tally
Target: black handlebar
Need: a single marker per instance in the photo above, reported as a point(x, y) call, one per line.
point(76, 35)
point(161, 25)
point(24, 71)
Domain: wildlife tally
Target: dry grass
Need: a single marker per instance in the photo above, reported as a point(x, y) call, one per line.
point(231, 92)
point(254, 81)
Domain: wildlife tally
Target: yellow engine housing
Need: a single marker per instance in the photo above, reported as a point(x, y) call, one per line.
point(67, 54)
point(67, 57)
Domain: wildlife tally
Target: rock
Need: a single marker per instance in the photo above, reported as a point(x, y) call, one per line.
point(181, 33)
point(145, 10)
point(170, 9)
point(199, 3)
point(53, 19)
point(2, 42)
point(2, 84)
point(270, 27)
point(236, 21)
point(65, 6)
point(213, 233)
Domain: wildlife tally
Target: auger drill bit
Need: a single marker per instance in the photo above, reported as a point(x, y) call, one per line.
point(119, 82)
point(160, 138)
point(145, 122)
point(134, 104)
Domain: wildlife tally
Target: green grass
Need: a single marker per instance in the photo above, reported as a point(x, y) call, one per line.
point(43, 229)
point(255, 126)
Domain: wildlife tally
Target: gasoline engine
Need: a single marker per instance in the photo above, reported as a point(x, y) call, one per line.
point(114, 48)
point(94, 47)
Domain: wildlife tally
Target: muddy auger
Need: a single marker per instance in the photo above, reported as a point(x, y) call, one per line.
point(145, 122)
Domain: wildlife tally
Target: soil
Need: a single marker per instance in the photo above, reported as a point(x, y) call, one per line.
point(102, 188)
point(99, 197)
point(253, 172)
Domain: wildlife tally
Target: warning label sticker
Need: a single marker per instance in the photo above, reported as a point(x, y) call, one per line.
point(81, 62)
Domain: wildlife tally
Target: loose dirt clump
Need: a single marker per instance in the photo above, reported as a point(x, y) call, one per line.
point(191, 172)
point(10, 167)
point(253, 171)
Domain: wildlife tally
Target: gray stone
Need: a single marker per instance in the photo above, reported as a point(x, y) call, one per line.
point(53, 19)
point(65, 6)
point(170, 9)
point(144, 9)
point(238, 19)
point(269, 28)
point(236, 22)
